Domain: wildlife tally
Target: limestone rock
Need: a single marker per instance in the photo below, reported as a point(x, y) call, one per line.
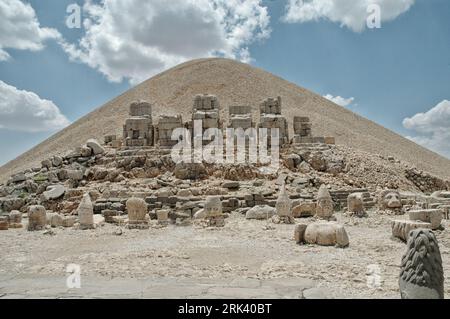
point(432, 216)
point(305, 209)
point(260, 212)
point(15, 219)
point(201, 214)
point(355, 205)
point(299, 233)
point(324, 206)
point(37, 218)
point(213, 206)
point(95, 146)
point(137, 213)
point(4, 224)
point(54, 192)
point(326, 234)
point(68, 221)
point(421, 274)
point(401, 228)
point(54, 220)
point(86, 213)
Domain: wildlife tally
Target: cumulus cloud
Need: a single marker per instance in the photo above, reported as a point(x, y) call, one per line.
point(432, 128)
point(20, 28)
point(134, 39)
point(25, 111)
point(339, 100)
point(349, 13)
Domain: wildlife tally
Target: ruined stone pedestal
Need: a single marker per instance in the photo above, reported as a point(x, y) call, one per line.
point(164, 130)
point(240, 116)
point(271, 118)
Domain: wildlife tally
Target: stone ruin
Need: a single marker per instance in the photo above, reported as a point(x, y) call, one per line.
point(270, 117)
point(86, 213)
point(213, 211)
point(355, 205)
point(137, 214)
point(303, 133)
point(322, 233)
point(240, 117)
point(390, 200)
point(138, 128)
point(421, 274)
point(207, 109)
point(164, 130)
point(283, 208)
point(324, 205)
point(37, 218)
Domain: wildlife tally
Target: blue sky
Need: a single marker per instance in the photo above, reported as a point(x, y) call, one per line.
point(397, 75)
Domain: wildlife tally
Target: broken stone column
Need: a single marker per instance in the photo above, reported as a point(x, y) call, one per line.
point(283, 207)
point(37, 218)
point(421, 274)
point(213, 211)
point(86, 213)
point(324, 205)
point(137, 213)
point(401, 228)
point(355, 205)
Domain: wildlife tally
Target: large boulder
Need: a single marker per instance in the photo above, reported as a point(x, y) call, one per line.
point(54, 192)
point(95, 146)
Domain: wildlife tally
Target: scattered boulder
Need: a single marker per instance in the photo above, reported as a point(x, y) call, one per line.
point(95, 146)
point(54, 192)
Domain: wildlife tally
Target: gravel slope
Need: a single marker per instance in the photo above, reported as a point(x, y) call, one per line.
point(172, 92)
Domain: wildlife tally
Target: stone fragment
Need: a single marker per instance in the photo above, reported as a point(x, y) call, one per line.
point(15, 219)
point(305, 209)
point(299, 233)
point(324, 205)
point(260, 212)
point(162, 215)
point(137, 213)
point(421, 272)
point(37, 218)
point(4, 224)
point(86, 213)
point(54, 219)
point(231, 184)
point(390, 200)
point(432, 216)
point(68, 221)
point(54, 192)
point(283, 208)
point(401, 228)
point(326, 234)
point(355, 205)
point(95, 146)
point(213, 211)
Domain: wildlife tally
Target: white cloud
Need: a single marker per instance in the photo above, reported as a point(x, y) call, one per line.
point(339, 100)
point(349, 13)
point(432, 128)
point(20, 28)
point(25, 111)
point(134, 39)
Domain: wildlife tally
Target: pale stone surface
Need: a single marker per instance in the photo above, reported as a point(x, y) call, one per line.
point(355, 204)
point(390, 200)
point(432, 216)
point(305, 209)
point(4, 224)
point(37, 218)
point(260, 212)
point(86, 213)
point(54, 192)
point(54, 220)
point(213, 206)
point(401, 228)
point(324, 207)
point(95, 146)
point(283, 204)
point(326, 234)
point(421, 274)
point(15, 219)
point(299, 233)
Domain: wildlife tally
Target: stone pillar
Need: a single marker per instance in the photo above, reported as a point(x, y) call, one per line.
point(86, 213)
point(213, 211)
point(324, 206)
point(15, 219)
point(37, 218)
point(283, 207)
point(421, 272)
point(137, 213)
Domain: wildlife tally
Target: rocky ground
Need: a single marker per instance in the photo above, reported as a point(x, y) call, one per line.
point(244, 259)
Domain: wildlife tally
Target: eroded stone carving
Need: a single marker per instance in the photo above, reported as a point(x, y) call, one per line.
point(324, 205)
point(422, 275)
